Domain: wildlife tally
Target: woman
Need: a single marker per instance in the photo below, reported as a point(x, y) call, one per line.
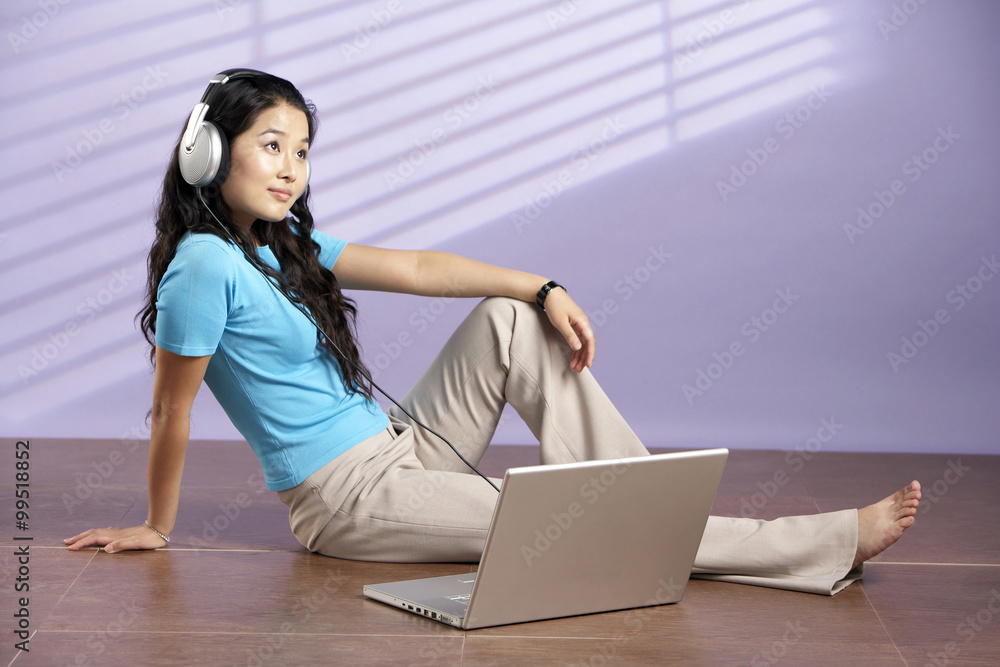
point(229, 239)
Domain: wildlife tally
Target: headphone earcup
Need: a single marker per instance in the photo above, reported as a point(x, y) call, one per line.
point(206, 164)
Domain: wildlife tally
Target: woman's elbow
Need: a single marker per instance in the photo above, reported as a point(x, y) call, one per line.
point(166, 411)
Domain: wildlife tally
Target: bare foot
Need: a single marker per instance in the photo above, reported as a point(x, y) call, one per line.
point(881, 524)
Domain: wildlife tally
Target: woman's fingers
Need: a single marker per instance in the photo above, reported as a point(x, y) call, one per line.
point(86, 539)
point(116, 539)
point(89, 541)
point(75, 538)
point(124, 544)
point(570, 320)
point(585, 355)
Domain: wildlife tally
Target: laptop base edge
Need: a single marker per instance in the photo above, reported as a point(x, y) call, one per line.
point(394, 601)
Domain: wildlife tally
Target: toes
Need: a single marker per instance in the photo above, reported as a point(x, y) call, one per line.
point(911, 489)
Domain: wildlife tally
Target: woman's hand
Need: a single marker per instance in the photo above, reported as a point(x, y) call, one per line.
point(116, 539)
point(570, 320)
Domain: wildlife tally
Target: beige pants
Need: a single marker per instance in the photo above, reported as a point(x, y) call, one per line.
point(404, 496)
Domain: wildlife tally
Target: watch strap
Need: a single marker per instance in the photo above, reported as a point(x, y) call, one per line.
point(544, 292)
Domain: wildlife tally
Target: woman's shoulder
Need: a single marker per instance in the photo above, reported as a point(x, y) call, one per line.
point(209, 254)
point(205, 242)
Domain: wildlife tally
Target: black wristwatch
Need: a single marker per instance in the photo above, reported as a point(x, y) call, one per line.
point(544, 292)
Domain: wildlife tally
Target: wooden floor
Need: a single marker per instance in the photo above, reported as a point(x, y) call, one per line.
point(235, 588)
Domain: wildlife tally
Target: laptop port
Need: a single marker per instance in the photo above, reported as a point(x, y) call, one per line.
point(434, 614)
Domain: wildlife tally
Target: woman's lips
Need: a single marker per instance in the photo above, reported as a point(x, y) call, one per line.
point(283, 195)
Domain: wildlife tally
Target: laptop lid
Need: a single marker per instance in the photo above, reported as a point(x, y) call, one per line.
point(594, 536)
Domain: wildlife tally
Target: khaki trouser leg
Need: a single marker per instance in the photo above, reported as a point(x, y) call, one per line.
point(811, 553)
point(404, 495)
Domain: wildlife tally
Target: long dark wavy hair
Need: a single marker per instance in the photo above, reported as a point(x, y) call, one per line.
point(234, 109)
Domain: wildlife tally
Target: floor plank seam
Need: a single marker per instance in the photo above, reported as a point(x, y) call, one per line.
point(68, 589)
point(888, 634)
point(254, 633)
point(18, 654)
point(537, 636)
point(266, 551)
point(891, 562)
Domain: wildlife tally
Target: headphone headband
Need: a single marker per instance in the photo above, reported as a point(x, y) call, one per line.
point(201, 109)
point(226, 76)
point(203, 154)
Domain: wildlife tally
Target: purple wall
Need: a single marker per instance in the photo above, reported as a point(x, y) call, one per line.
point(780, 215)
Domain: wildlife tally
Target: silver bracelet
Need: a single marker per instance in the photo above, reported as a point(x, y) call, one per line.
point(165, 538)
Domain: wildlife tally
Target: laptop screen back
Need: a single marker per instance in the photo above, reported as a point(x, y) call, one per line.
point(594, 536)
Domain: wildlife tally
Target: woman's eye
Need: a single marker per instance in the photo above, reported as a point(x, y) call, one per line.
point(273, 145)
point(302, 154)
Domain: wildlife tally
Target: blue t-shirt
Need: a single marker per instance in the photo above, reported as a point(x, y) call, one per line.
point(282, 390)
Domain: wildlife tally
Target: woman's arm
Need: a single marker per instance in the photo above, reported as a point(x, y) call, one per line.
point(433, 273)
point(175, 385)
point(430, 273)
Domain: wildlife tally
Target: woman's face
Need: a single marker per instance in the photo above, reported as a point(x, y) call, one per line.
point(267, 170)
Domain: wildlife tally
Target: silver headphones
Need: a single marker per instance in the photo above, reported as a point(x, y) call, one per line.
point(203, 155)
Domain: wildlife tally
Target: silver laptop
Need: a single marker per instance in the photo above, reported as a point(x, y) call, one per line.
point(578, 538)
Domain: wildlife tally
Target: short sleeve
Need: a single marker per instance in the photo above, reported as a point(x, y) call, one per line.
point(194, 299)
point(329, 248)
